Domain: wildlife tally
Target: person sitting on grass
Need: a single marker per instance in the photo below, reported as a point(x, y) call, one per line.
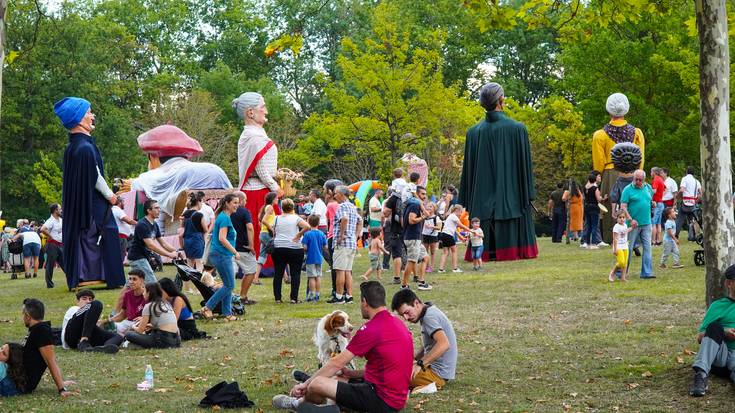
point(375, 250)
point(436, 361)
point(716, 340)
point(182, 309)
point(131, 304)
point(80, 328)
point(315, 244)
point(12, 371)
point(387, 345)
point(158, 327)
point(38, 350)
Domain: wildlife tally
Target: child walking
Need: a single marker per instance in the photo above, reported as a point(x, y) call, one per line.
point(476, 239)
point(314, 242)
point(620, 248)
point(376, 248)
point(671, 242)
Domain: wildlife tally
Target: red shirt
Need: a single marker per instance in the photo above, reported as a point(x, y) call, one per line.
point(133, 305)
point(659, 186)
point(331, 212)
point(387, 345)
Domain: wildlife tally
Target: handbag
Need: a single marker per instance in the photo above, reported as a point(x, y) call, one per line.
point(270, 245)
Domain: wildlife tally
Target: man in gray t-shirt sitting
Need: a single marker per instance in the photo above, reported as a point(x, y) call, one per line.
point(436, 361)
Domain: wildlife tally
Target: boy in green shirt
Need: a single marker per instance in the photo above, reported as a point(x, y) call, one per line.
point(717, 339)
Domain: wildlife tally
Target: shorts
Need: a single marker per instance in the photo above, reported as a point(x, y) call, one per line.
point(145, 266)
point(31, 250)
point(343, 258)
point(246, 263)
point(361, 397)
point(415, 250)
point(396, 247)
point(430, 239)
point(657, 212)
point(373, 224)
point(621, 259)
point(375, 263)
point(313, 270)
point(446, 240)
point(477, 252)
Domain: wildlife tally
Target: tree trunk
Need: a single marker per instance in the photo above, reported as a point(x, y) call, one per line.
point(717, 208)
point(3, 8)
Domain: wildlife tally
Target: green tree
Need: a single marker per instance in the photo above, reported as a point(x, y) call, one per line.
point(391, 99)
point(47, 179)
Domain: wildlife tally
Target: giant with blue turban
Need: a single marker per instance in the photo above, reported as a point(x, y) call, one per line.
point(89, 234)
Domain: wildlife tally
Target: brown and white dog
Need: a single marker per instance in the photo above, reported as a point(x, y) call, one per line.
point(332, 334)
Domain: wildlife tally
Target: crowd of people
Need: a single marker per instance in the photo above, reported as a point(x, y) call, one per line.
point(646, 214)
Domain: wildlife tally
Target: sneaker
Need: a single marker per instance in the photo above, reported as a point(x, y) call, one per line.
point(441, 271)
point(285, 402)
point(457, 270)
point(316, 298)
point(107, 349)
point(699, 386)
point(405, 287)
point(349, 300)
point(424, 286)
point(415, 278)
point(309, 299)
point(603, 244)
point(637, 251)
point(396, 280)
point(583, 245)
point(300, 376)
point(662, 266)
point(335, 300)
point(84, 346)
point(677, 266)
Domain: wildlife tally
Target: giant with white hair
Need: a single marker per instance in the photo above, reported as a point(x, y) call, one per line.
point(246, 101)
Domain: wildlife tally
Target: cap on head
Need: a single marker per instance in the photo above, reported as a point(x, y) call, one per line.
point(730, 272)
point(617, 105)
point(71, 111)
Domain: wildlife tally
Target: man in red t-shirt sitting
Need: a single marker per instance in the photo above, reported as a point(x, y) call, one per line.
point(133, 302)
point(386, 344)
point(659, 187)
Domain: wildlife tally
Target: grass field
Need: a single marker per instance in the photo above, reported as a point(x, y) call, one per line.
point(549, 334)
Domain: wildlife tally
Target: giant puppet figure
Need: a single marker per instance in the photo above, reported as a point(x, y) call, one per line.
point(257, 158)
point(497, 183)
point(618, 130)
point(89, 234)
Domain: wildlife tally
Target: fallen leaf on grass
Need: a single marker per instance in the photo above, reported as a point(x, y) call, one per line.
point(114, 385)
point(289, 366)
point(627, 322)
point(286, 353)
point(161, 390)
point(689, 352)
point(228, 358)
point(647, 374)
point(566, 406)
point(632, 386)
point(106, 402)
point(680, 360)
point(573, 394)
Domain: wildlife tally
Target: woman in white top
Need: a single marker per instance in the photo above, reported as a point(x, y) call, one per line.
point(288, 229)
point(447, 234)
point(158, 326)
point(430, 234)
point(31, 247)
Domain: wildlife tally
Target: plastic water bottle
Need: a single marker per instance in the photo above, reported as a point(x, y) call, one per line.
point(148, 376)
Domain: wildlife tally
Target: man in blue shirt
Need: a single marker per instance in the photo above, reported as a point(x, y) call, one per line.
point(416, 255)
point(636, 202)
point(314, 242)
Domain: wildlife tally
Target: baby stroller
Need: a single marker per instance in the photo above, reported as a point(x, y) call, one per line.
point(15, 250)
point(186, 273)
point(696, 223)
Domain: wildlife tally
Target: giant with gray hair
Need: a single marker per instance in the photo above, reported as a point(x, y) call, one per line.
point(490, 95)
point(246, 101)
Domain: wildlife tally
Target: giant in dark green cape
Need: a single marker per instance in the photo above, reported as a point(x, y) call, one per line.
point(497, 186)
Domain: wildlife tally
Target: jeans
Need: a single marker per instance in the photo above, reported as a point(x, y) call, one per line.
point(591, 221)
point(154, 339)
point(54, 254)
point(670, 249)
point(713, 351)
point(558, 224)
point(8, 387)
point(596, 236)
point(145, 266)
point(293, 258)
point(642, 233)
point(226, 269)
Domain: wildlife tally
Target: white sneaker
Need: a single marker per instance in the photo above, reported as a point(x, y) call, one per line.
point(603, 244)
point(583, 245)
point(285, 402)
point(457, 270)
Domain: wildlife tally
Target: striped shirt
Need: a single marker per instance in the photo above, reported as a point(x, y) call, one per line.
point(346, 209)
